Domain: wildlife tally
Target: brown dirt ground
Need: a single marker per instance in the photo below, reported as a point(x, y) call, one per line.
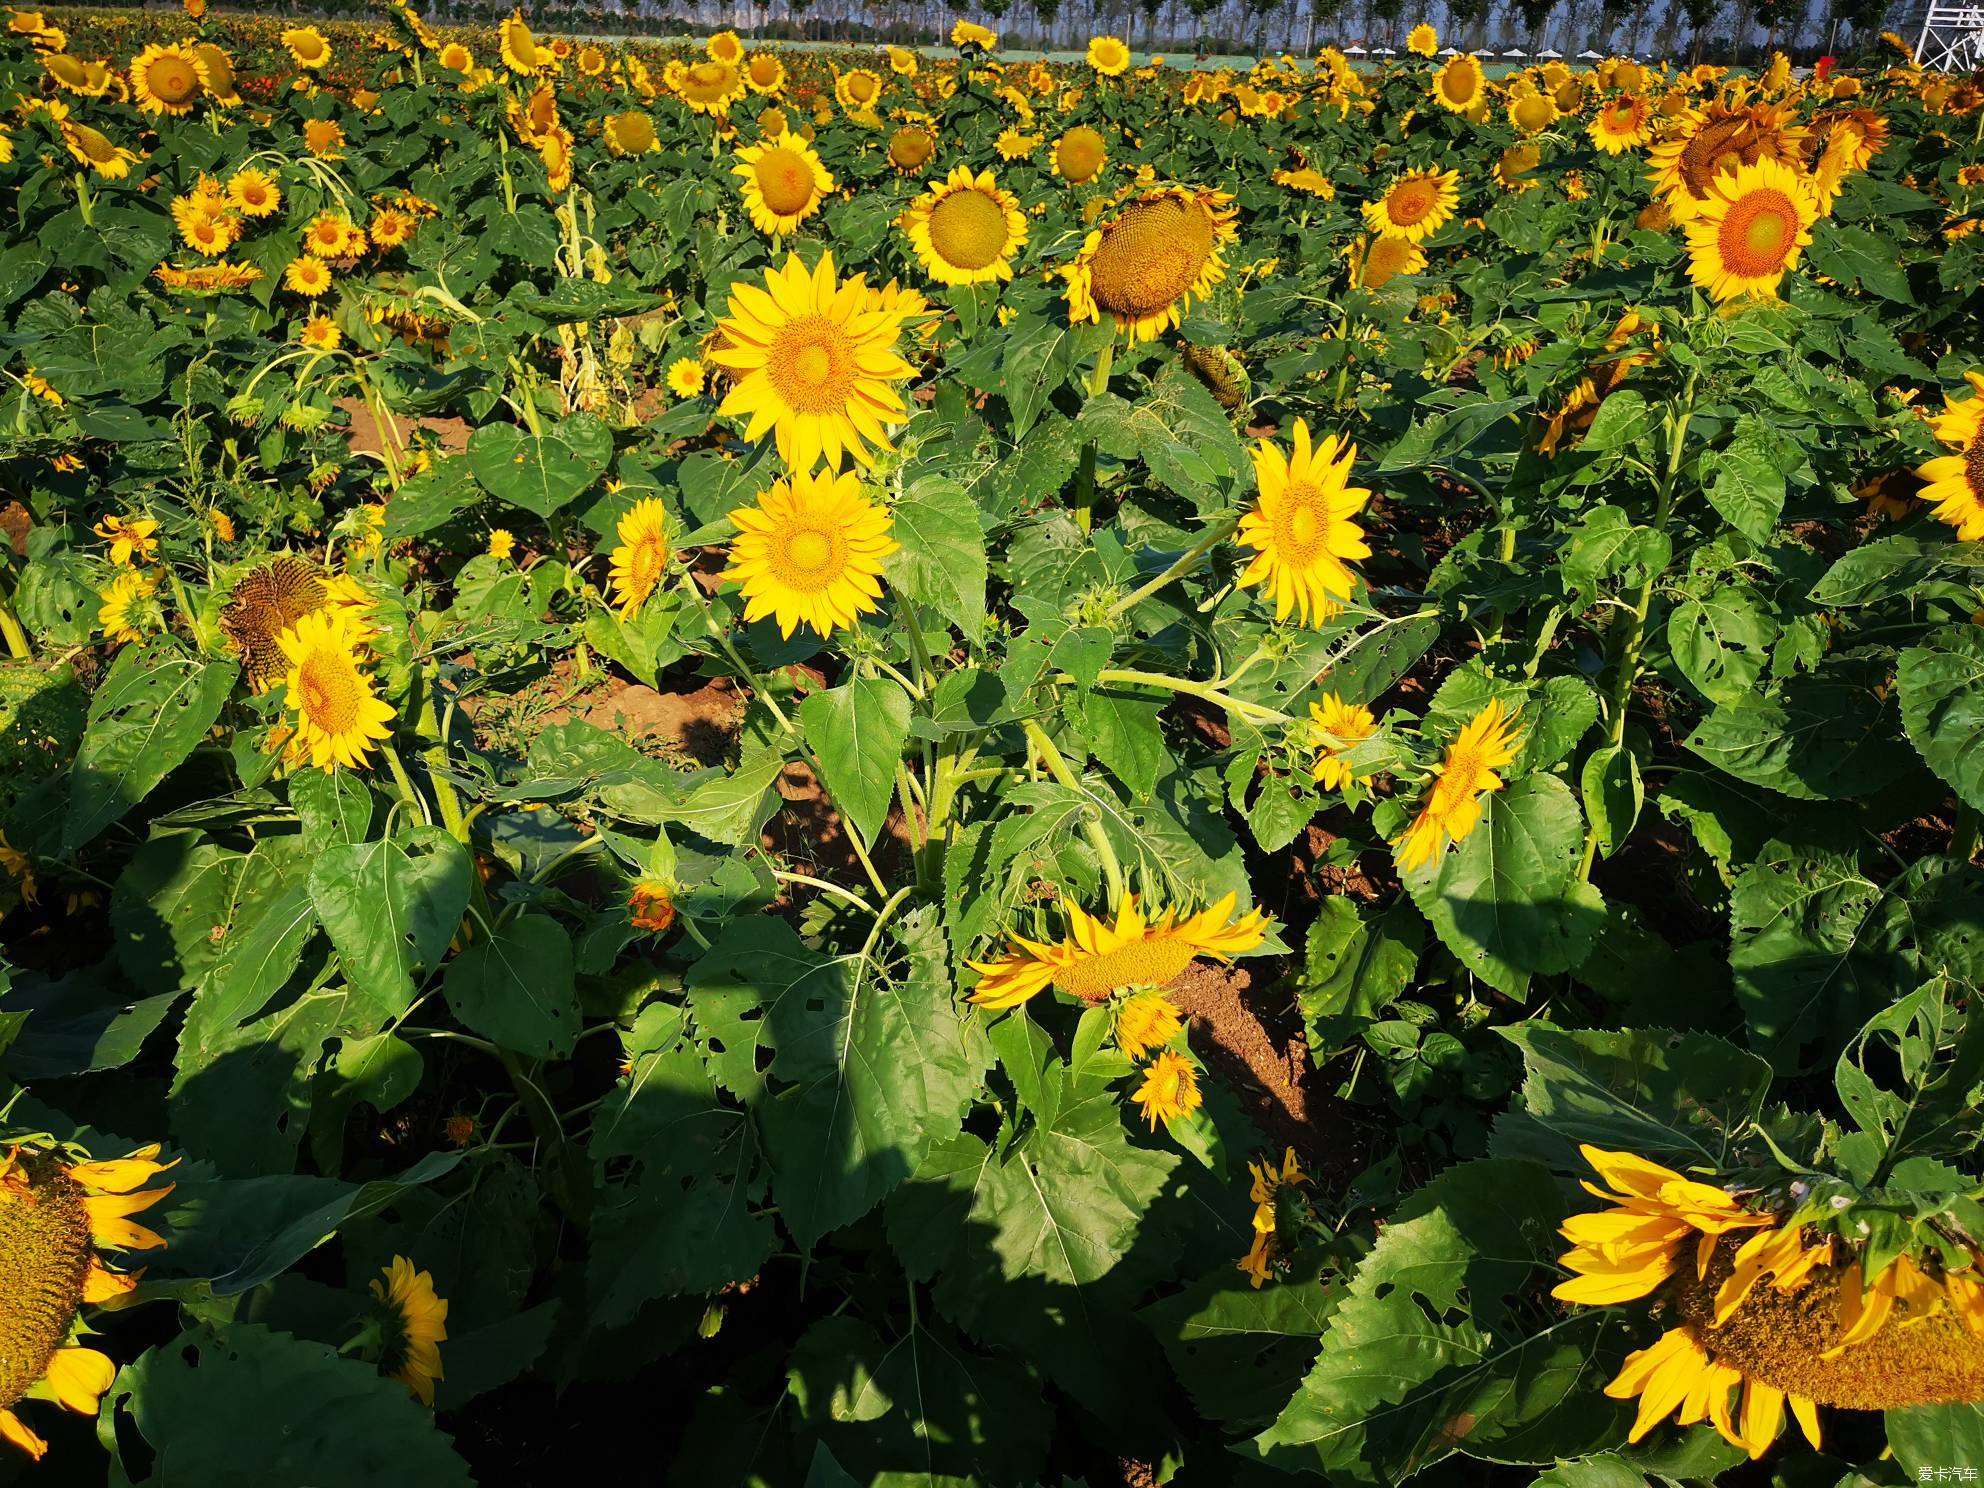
point(15, 524)
point(450, 435)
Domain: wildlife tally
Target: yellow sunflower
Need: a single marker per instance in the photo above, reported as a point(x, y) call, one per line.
point(457, 58)
point(965, 229)
point(1097, 958)
point(1303, 528)
point(1376, 261)
point(339, 717)
point(324, 138)
point(307, 46)
point(1713, 141)
point(1624, 123)
point(784, 184)
point(1170, 1091)
point(93, 148)
point(707, 87)
point(1334, 727)
point(685, 377)
point(518, 48)
point(1415, 205)
point(320, 334)
point(641, 560)
point(131, 539)
point(86, 79)
point(1459, 84)
point(129, 606)
point(265, 602)
point(810, 553)
point(1961, 418)
point(1453, 807)
point(1108, 55)
point(858, 90)
point(1146, 1021)
point(1532, 112)
point(1144, 266)
point(330, 234)
point(724, 47)
point(629, 133)
point(1423, 41)
point(1750, 230)
point(971, 34)
point(307, 275)
point(651, 906)
point(1308, 181)
point(413, 1324)
point(1955, 483)
point(1013, 145)
point(1079, 154)
point(903, 62)
point(815, 360)
point(910, 148)
point(58, 1214)
point(167, 79)
point(765, 74)
point(254, 193)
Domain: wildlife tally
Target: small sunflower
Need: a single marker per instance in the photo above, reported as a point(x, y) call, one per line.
point(59, 1212)
point(629, 133)
point(332, 235)
point(765, 74)
point(910, 148)
point(1097, 958)
point(455, 57)
point(641, 560)
point(707, 87)
point(1108, 55)
point(1013, 145)
point(965, 229)
point(132, 540)
point(307, 46)
point(1750, 231)
point(685, 377)
point(413, 1324)
point(1624, 123)
point(86, 79)
point(1955, 483)
point(254, 193)
point(92, 148)
point(1415, 205)
point(815, 360)
point(1144, 266)
point(324, 138)
point(1308, 181)
point(320, 334)
point(339, 717)
point(128, 608)
point(1334, 726)
point(903, 62)
point(1303, 528)
point(1170, 1091)
point(1459, 84)
point(307, 275)
point(1079, 154)
point(502, 543)
point(651, 906)
point(1146, 1021)
point(1452, 808)
point(784, 184)
point(858, 90)
point(1423, 41)
point(1376, 261)
point(811, 552)
point(1532, 112)
point(724, 47)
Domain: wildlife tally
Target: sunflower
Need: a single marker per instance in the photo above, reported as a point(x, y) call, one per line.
point(518, 48)
point(58, 1213)
point(1467, 773)
point(265, 602)
point(1961, 418)
point(1532, 112)
point(455, 57)
point(1750, 230)
point(1865, 133)
point(965, 229)
point(1079, 154)
point(319, 334)
point(1512, 169)
point(307, 46)
point(75, 75)
point(810, 553)
point(1423, 41)
point(1170, 1091)
point(128, 607)
point(1956, 484)
point(254, 193)
point(390, 227)
point(1335, 726)
point(1376, 261)
point(1308, 181)
point(1267, 1183)
point(1013, 145)
point(212, 236)
point(324, 138)
point(1303, 528)
point(1459, 84)
point(1712, 142)
point(910, 148)
point(815, 360)
point(1146, 1021)
point(724, 47)
point(970, 34)
point(1624, 123)
point(903, 62)
point(1097, 958)
point(857, 90)
point(1108, 55)
point(629, 133)
point(685, 377)
point(764, 74)
point(641, 559)
point(592, 61)
point(784, 184)
point(413, 1324)
point(1415, 205)
point(707, 87)
point(1144, 266)
point(95, 149)
point(131, 540)
point(306, 275)
point(208, 279)
point(338, 715)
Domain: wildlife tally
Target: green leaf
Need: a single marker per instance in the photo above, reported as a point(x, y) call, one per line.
point(431, 499)
point(1829, 735)
point(1748, 485)
point(251, 1405)
point(1354, 967)
point(1241, 1351)
point(155, 706)
point(857, 732)
point(540, 475)
point(392, 907)
point(1942, 706)
point(730, 808)
point(513, 985)
point(1123, 734)
point(941, 561)
point(1613, 794)
point(1929, 1438)
point(1721, 642)
point(335, 807)
point(1506, 901)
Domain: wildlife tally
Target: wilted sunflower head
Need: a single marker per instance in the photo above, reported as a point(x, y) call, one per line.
point(264, 603)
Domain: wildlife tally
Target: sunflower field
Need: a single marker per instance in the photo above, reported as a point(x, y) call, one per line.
point(821, 767)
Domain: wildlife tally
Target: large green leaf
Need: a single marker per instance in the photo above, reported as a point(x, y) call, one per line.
point(941, 560)
point(391, 908)
point(1942, 706)
point(857, 732)
point(514, 985)
point(1828, 735)
point(155, 706)
point(1242, 1350)
point(540, 475)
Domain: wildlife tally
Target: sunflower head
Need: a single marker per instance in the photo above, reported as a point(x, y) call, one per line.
point(1459, 84)
point(339, 715)
point(629, 133)
point(1303, 528)
point(965, 229)
point(264, 603)
point(1376, 261)
point(168, 79)
point(910, 148)
point(640, 562)
point(1098, 957)
point(1144, 265)
point(1750, 230)
point(1079, 154)
point(784, 183)
point(810, 552)
point(1415, 205)
point(1108, 55)
point(651, 906)
point(412, 1324)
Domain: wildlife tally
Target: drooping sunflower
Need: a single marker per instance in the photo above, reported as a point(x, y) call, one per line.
point(128, 608)
point(810, 553)
point(815, 360)
point(640, 561)
point(965, 229)
point(1079, 154)
point(1335, 726)
point(1864, 132)
point(1713, 141)
point(903, 62)
point(968, 34)
point(307, 46)
point(1097, 958)
point(1452, 808)
point(629, 133)
point(339, 717)
point(1512, 171)
point(1415, 205)
point(784, 184)
point(518, 48)
point(1624, 123)
point(1143, 267)
point(412, 1324)
point(1376, 261)
point(1531, 111)
point(59, 1211)
point(1108, 55)
point(167, 79)
point(1460, 83)
point(86, 79)
point(1303, 528)
point(1750, 230)
point(254, 193)
point(707, 87)
point(95, 149)
point(132, 539)
point(1264, 1189)
point(1170, 1091)
point(1423, 41)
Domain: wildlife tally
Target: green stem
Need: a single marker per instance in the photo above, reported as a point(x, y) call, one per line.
point(1105, 363)
point(1627, 670)
point(436, 756)
point(1091, 825)
point(784, 875)
point(1963, 840)
point(408, 792)
point(1212, 538)
point(11, 631)
point(695, 592)
point(1254, 713)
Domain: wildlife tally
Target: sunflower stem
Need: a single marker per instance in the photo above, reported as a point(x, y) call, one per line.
point(1091, 826)
point(436, 758)
point(12, 632)
point(1098, 384)
point(744, 670)
point(1254, 713)
point(1212, 538)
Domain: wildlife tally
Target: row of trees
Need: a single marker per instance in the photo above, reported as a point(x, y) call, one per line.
point(1717, 28)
